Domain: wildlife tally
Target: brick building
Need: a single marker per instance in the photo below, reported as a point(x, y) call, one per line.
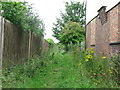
point(103, 31)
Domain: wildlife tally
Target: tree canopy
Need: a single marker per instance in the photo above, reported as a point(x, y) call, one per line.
point(21, 14)
point(72, 34)
point(50, 41)
point(75, 12)
point(70, 27)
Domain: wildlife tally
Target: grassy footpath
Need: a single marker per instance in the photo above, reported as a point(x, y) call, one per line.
point(60, 71)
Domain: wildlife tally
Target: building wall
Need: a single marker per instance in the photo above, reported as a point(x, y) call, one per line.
point(88, 35)
point(104, 37)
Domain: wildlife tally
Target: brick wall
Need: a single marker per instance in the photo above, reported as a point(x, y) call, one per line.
point(88, 35)
point(114, 24)
point(93, 28)
point(104, 37)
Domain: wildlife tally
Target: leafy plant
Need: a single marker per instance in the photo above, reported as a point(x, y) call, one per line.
point(74, 12)
point(51, 42)
point(21, 14)
point(72, 34)
point(63, 71)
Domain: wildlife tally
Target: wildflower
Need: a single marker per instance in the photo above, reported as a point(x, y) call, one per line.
point(89, 56)
point(91, 48)
point(86, 60)
point(79, 64)
point(103, 57)
point(110, 71)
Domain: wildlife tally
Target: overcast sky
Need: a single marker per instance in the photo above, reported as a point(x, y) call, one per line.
point(94, 5)
point(48, 10)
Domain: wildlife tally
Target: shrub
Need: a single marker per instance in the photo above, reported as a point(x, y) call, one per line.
point(97, 68)
point(21, 14)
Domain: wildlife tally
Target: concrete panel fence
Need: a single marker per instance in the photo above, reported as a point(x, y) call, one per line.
point(17, 45)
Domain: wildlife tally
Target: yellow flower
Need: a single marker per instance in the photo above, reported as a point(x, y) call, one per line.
point(89, 56)
point(103, 57)
point(86, 60)
point(110, 71)
point(79, 64)
point(91, 48)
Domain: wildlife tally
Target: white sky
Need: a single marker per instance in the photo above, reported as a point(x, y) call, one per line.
point(48, 10)
point(94, 5)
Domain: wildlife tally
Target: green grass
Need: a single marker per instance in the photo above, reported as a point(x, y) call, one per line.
point(61, 71)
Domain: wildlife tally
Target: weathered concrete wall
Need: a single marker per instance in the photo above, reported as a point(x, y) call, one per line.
point(1, 41)
point(104, 37)
point(35, 45)
point(19, 45)
point(44, 46)
point(16, 43)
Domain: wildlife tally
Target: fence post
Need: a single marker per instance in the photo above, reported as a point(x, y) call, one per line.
point(1, 45)
point(29, 47)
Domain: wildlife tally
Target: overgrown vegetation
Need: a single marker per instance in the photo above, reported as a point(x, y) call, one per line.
point(71, 24)
point(51, 42)
point(74, 69)
point(21, 14)
point(59, 69)
point(72, 34)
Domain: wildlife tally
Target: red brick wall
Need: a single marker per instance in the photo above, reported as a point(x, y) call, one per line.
point(93, 29)
point(88, 35)
point(114, 24)
point(119, 22)
point(103, 35)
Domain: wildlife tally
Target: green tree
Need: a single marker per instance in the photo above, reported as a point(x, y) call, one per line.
point(72, 34)
point(21, 14)
point(50, 41)
point(75, 12)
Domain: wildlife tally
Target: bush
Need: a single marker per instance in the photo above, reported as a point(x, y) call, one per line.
point(97, 68)
point(74, 69)
point(21, 14)
point(21, 72)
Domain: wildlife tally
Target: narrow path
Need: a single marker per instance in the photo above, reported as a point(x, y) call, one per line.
point(61, 72)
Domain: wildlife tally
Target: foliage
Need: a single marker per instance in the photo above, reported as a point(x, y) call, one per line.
point(70, 70)
point(21, 72)
point(115, 57)
point(61, 47)
point(75, 12)
point(50, 41)
point(21, 14)
point(72, 34)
